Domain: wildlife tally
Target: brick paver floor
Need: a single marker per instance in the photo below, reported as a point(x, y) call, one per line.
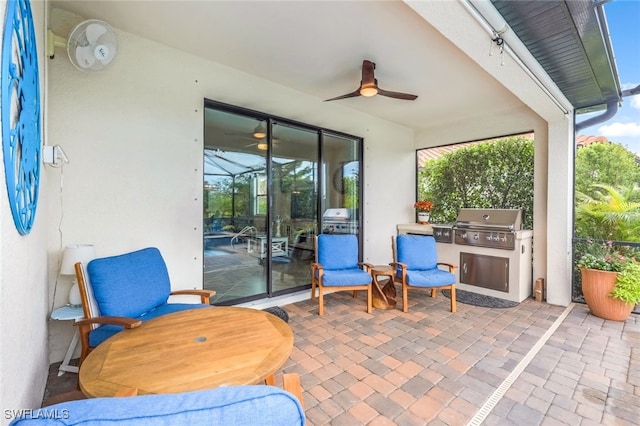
point(477, 366)
point(430, 366)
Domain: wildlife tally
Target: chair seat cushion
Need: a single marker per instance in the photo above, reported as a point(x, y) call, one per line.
point(345, 277)
point(103, 332)
point(229, 405)
point(430, 278)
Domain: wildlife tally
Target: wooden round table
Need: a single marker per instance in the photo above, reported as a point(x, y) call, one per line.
point(187, 351)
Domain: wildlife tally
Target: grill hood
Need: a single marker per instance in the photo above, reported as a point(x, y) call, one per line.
point(507, 219)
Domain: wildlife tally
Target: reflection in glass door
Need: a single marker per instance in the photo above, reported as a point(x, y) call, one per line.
point(235, 202)
point(294, 204)
point(262, 196)
point(341, 195)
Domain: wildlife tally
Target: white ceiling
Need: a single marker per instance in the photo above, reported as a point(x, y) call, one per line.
point(317, 48)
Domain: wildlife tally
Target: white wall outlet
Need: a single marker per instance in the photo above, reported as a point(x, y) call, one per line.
point(53, 155)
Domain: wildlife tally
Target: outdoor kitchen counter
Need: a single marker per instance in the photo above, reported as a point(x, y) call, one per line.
point(414, 228)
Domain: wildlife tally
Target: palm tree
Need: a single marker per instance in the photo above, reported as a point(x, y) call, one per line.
point(609, 214)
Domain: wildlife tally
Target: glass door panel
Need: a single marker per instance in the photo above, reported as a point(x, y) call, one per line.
point(340, 195)
point(294, 205)
point(234, 207)
point(263, 204)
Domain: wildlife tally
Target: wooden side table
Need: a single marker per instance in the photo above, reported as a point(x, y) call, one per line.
point(383, 297)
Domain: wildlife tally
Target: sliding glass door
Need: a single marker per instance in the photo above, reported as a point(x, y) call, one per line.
point(270, 185)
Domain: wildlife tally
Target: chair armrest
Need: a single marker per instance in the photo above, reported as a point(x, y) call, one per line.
point(315, 266)
point(451, 266)
point(401, 265)
point(121, 321)
point(204, 294)
point(367, 267)
point(84, 328)
point(403, 268)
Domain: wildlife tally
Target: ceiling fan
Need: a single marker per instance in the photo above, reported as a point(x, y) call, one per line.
point(262, 143)
point(369, 86)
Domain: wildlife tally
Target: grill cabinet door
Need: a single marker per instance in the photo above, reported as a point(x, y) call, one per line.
point(485, 271)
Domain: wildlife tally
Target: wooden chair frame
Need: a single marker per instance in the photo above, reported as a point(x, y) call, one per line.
point(317, 271)
point(405, 286)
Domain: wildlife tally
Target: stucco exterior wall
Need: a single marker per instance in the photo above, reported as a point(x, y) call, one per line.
point(133, 134)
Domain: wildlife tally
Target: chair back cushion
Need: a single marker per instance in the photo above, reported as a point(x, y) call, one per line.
point(338, 251)
point(417, 252)
point(227, 405)
point(128, 285)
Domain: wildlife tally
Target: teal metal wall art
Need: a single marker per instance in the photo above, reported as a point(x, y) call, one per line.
point(21, 132)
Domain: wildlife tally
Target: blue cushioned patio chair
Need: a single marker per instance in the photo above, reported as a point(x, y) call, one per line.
point(121, 291)
point(337, 268)
point(227, 405)
point(416, 261)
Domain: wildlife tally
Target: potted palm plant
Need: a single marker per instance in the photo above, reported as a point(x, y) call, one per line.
point(610, 280)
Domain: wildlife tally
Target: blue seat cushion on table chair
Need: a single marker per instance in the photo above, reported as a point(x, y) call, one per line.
point(128, 285)
point(103, 332)
point(231, 405)
point(431, 278)
point(345, 277)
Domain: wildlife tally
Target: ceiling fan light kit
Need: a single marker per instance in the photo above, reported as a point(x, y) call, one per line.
point(369, 90)
point(260, 131)
point(369, 86)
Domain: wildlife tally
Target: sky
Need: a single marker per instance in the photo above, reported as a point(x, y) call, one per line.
point(623, 19)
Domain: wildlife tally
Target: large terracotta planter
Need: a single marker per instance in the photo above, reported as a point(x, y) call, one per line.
point(596, 287)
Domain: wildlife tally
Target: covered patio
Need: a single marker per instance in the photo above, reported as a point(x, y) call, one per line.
point(534, 364)
point(134, 137)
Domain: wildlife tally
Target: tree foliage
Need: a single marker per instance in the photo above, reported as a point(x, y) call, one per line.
point(609, 214)
point(496, 174)
point(607, 193)
point(605, 163)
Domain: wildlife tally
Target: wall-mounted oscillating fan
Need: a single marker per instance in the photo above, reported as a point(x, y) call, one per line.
point(91, 45)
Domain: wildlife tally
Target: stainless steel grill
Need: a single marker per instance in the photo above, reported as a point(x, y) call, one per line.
point(492, 251)
point(493, 228)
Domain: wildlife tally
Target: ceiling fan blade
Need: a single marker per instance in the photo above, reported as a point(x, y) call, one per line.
point(348, 95)
point(367, 72)
point(397, 95)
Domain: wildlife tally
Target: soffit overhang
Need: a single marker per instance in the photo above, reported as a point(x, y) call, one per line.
point(570, 40)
